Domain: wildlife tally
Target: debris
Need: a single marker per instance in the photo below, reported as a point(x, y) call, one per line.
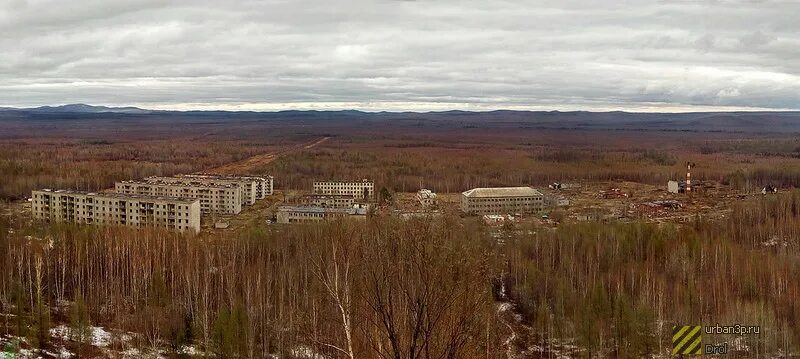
point(769, 189)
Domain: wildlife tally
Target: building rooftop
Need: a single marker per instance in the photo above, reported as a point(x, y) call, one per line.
point(162, 182)
point(361, 181)
point(314, 209)
point(121, 195)
point(184, 179)
point(319, 195)
point(226, 177)
point(501, 192)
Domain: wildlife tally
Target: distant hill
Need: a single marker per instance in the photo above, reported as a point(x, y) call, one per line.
point(133, 117)
point(78, 108)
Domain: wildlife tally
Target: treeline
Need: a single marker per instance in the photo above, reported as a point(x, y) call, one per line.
point(97, 164)
point(781, 176)
point(343, 290)
point(619, 288)
point(456, 170)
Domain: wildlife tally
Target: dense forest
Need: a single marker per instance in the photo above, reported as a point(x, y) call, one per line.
point(624, 285)
point(384, 289)
point(392, 288)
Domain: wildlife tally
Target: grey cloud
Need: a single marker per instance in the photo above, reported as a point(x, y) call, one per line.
point(626, 54)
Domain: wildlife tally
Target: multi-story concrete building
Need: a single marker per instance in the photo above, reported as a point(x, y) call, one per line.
point(426, 197)
point(502, 200)
point(248, 187)
point(329, 200)
point(263, 184)
point(214, 198)
point(181, 214)
point(303, 214)
point(360, 190)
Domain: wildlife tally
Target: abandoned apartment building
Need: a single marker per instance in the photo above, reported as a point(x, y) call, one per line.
point(214, 198)
point(360, 190)
point(248, 185)
point(426, 198)
point(182, 214)
point(502, 200)
point(263, 184)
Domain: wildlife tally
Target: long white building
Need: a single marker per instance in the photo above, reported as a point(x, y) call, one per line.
point(305, 214)
point(328, 200)
point(180, 214)
point(214, 198)
point(360, 190)
point(502, 200)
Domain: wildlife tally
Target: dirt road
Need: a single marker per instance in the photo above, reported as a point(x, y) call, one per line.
point(246, 166)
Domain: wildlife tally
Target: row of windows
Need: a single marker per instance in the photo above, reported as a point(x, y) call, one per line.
point(132, 202)
point(103, 217)
point(511, 199)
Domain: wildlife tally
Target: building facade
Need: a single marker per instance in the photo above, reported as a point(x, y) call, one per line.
point(263, 184)
point(360, 190)
point(426, 198)
point(329, 200)
point(214, 198)
point(305, 214)
point(502, 200)
point(180, 214)
point(248, 187)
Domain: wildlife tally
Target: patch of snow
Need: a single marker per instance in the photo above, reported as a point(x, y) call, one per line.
point(503, 307)
point(100, 337)
point(126, 337)
point(132, 353)
point(306, 352)
point(64, 353)
point(775, 241)
point(190, 350)
point(61, 332)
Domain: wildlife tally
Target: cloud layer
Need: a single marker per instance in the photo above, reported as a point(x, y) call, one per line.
point(401, 55)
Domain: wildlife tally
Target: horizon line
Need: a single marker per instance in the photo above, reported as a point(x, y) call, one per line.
point(410, 107)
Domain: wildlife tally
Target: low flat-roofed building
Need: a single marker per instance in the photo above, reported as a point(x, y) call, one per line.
point(214, 198)
point(426, 197)
point(328, 200)
point(502, 200)
point(304, 214)
point(360, 190)
point(182, 214)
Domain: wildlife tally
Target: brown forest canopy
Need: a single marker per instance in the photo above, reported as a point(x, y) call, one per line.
point(390, 287)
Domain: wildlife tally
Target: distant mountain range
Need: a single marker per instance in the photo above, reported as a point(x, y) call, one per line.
point(615, 120)
point(78, 108)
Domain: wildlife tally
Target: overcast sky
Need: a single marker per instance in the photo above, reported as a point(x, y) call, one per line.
point(402, 55)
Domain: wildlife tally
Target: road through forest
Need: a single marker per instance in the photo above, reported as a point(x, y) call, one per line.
point(247, 165)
